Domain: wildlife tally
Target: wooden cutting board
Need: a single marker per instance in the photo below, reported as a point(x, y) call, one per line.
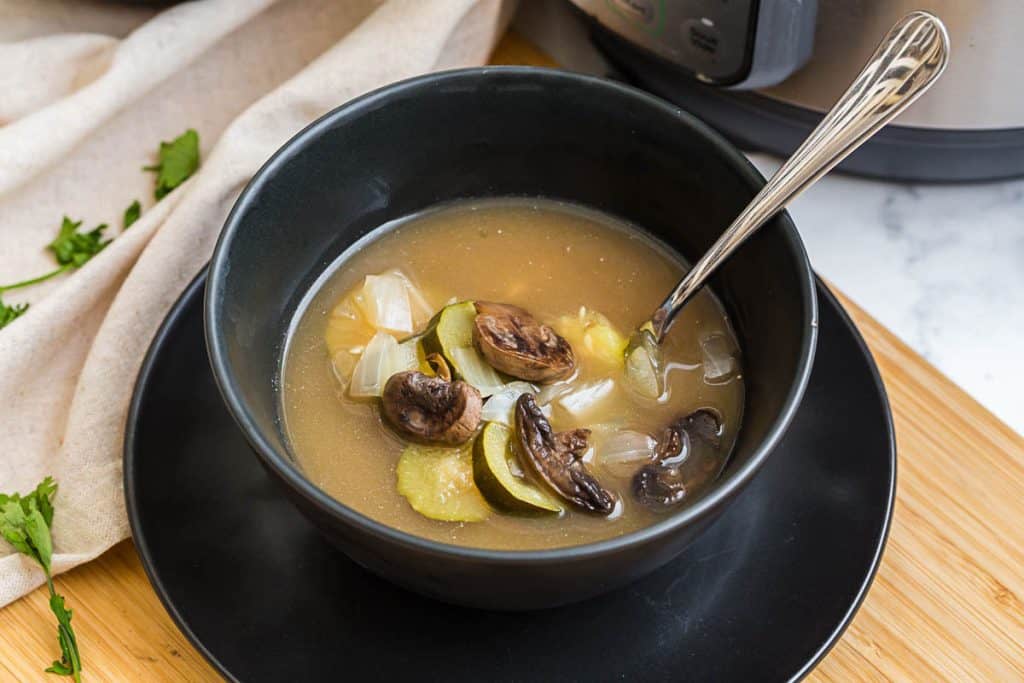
point(946, 603)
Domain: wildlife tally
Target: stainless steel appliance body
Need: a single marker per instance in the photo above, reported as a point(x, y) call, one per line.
point(779, 64)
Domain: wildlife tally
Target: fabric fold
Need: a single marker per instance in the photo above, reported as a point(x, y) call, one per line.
point(68, 366)
point(171, 42)
point(39, 71)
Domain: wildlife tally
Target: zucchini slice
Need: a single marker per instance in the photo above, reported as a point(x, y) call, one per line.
point(450, 333)
point(438, 483)
point(493, 475)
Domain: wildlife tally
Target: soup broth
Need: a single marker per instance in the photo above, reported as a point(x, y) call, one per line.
point(590, 277)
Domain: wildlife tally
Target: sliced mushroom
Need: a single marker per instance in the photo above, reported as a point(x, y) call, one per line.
point(702, 424)
point(663, 483)
point(431, 409)
point(658, 485)
point(516, 343)
point(556, 458)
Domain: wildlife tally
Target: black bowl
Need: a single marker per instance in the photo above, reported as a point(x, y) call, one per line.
point(499, 132)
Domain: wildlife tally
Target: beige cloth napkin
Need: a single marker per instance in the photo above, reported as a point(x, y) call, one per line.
point(87, 91)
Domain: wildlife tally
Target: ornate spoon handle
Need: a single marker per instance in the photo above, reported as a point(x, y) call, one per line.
point(906, 63)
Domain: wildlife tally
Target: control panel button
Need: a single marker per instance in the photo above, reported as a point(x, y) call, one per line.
point(702, 39)
point(711, 39)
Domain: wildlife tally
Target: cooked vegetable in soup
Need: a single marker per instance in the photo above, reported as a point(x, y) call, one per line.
point(461, 375)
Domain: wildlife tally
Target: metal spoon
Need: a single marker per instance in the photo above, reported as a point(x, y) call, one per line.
point(906, 63)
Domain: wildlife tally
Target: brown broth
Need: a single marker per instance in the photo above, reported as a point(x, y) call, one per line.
point(550, 258)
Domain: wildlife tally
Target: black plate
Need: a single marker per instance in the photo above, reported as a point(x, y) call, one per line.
point(762, 595)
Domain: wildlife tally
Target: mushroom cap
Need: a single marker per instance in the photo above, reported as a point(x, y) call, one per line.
point(516, 343)
point(702, 424)
point(431, 409)
point(556, 458)
point(663, 483)
point(657, 485)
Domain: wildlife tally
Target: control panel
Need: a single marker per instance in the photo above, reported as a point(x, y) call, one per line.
point(739, 43)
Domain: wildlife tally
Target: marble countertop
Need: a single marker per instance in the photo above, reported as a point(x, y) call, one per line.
point(942, 266)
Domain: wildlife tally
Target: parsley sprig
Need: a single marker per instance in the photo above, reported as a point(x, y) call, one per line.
point(71, 249)
point(177, 161)
point(131, 214)
point(8, 313)
point(25, 522)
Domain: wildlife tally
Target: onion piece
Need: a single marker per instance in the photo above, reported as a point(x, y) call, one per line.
point(383, 357)
point(343, 363)
point(642, 373)
point(550, 392)
point(720, 364)
point(582, 399)
point(475, 370)
point(385, 303)
point(421, 309)
point(346, 326)
point(500, 407)
point(408, 356)
point(626, 447)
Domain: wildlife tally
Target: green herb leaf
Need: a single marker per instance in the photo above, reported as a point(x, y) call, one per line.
point(39, 536)
point(40, 498)
point(12, 527)
point(179, 159)
point(9, 313)
point(25, 523)
point(58, 668)
point(73, 248)
point(70, 663)
point(131, 214)
point(43, 496)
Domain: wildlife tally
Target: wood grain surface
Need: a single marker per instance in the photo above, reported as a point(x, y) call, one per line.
point(946, 603)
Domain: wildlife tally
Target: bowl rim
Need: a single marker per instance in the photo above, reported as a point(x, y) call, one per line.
point(722, 490)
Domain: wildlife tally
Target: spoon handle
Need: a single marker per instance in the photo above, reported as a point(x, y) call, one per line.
point(905, 64)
